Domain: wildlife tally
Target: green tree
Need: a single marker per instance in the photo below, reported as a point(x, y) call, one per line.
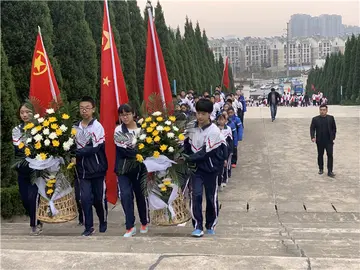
point(19, 27)
point(9, 106)
point(138, 36)
point(128, 54)
point(356, 76)
point(75, 49)
point(346, 66)
point(349, 87)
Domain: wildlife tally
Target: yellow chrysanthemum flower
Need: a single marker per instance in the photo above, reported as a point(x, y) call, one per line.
point(70, 165)
point(156, 154)
point(153, 124)
point(149, 140)
point(73, 131)
point(43, 156)
point(21, 145)
point(141, 146)
point(163, 147)
point(52, 119)
point(163, 189)
point(181, 137)
point(50, 191)
point(46, 123)
point(167, 128)
point(38, 128)
point(65, 116)
point(149, 130)
point(58, 132)
point(144, 125)
point(172, 118)
point(55, 143)
point(37, 145)
point(139, 158)
point(52, 181)
point(29, 126)
point(155, 133)
point(159, 119)
point(49, 184)
point(157, 139)
point(167, 183)
point(54, 126)
point(27, 152)
point(148, 119)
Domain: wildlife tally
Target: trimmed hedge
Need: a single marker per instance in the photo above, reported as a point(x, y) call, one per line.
point(11, 204)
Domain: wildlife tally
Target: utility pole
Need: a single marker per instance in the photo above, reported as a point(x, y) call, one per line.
point(287, 51)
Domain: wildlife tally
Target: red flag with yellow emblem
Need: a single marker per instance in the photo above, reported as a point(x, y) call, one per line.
point(113, 93)
point(43, 85)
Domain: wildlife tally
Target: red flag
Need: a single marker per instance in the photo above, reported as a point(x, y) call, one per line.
point(43, 85)
point(226, 80)
point(156, 79)
point(113, 93)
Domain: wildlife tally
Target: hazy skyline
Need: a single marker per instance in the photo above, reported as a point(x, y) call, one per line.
point(250, 18)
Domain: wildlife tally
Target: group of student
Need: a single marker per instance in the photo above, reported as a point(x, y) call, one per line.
point(212, 148)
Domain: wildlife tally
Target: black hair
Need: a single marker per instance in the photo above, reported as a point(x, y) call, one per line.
point(221, 116)
point(28, 105)
point(204, 105)
point(126, 108)
point(231, 109)
point(184, 104)
point(229, 100)
point(88, 99)
point(217, 93)
point(323, 106)
point(207, 97)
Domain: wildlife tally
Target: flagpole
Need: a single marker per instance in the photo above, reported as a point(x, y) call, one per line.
point(52, 88)
point(148, 6)
point(112, 56)
point(222, 77)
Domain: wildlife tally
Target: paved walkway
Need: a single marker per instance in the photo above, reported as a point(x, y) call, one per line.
point(277, 212)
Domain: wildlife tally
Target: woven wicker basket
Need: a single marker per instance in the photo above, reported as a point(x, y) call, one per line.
point(161, 217)
point(65, 205)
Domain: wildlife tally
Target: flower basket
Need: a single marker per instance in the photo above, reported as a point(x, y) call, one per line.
point(182, 214)
point(66, 207)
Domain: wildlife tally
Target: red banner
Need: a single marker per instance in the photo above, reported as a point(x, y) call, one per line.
point(226, 80)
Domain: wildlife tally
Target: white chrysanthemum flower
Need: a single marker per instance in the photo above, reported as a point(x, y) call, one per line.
point(66, 146)
point(161, 185)
point(134, 140)
point(171, 149)
point(156, 114)
point(175, 128)
point(159, 128)
point(47, 142)
point(28, 140)
point(50, 111)
point(46, 131)
point(70, 141)
point(142, 137)
point(38, 157)
point(41, 119)
point(63, 128)
point(36, 116)
point(34, 131)
point(38, 137)
point(171, 135)
point(168, 123)
point(53, 135)
point(141, 121)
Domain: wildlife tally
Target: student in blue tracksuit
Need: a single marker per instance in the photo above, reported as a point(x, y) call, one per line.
point(91, 166)
point(129, 183)
point(204, 146)
point(28, 191)
point(233, 128)
point(239, 130)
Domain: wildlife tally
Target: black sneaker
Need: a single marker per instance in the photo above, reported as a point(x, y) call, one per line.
point(80, 224)
point(88, 232)
point(103, 227)
point(321, 171)
point(331, 174)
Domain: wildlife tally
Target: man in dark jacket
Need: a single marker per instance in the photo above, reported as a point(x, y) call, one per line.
point(273, 99)
point(323, 132)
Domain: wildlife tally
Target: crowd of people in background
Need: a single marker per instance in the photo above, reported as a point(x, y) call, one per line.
point(293, 100)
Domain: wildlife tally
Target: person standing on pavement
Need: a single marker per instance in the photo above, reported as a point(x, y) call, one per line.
point(273, 100)
point(323, 132)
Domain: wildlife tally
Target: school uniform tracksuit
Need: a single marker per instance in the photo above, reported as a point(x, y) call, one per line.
point(239, 135)
point(204, 147)
point(129, 183)
point(28, 191)
point(225, 172)
point(91, 166)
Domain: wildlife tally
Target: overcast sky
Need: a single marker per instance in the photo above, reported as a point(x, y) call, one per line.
point(250, 18)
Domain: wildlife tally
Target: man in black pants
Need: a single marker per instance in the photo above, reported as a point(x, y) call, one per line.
point(273, 101)
point(323, 132)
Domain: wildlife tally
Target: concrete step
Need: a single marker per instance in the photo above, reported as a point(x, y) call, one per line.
point(43, 260)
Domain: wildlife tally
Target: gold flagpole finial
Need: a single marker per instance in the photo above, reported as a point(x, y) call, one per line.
point(39, 29)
